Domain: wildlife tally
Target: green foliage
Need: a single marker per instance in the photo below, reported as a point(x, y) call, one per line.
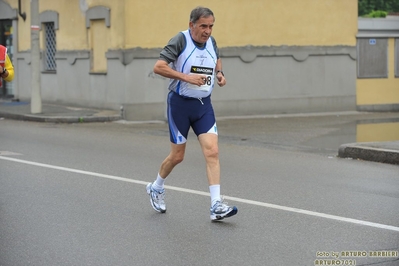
point(366, 7)
point(377, 14)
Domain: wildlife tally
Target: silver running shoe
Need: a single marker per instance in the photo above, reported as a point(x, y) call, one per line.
point(221, 210)
point(157, 198)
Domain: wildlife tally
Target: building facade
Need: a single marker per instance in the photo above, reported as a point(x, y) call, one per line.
point(278, 56)
point(378, 64)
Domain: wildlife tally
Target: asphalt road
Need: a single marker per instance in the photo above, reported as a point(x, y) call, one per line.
point(74, 194)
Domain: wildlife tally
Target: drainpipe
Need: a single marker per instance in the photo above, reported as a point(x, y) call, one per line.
point(23, 15)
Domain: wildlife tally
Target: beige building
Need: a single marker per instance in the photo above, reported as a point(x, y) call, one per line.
point(278, 56)
point(378, 64)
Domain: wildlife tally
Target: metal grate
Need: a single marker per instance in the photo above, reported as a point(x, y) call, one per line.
point(51, 47)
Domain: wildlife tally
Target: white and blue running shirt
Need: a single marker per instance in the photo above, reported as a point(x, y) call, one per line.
point(194, 60)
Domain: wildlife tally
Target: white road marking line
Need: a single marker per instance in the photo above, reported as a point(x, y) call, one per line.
point(9, 153)
point(317, 214)
point(246, 201)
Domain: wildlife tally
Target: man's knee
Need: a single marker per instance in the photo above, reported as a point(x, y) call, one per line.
point(176, 159)
point(176, 156)
point(211, 151)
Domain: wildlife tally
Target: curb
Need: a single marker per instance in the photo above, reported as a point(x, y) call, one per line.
point(61, 119)
point(367, 153)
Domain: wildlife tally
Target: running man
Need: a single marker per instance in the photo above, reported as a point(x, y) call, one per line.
point(191, 61)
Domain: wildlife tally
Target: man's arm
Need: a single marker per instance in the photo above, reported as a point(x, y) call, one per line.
point(162, 68)
point(169, 54)
point(219, 73)
point(219, 70)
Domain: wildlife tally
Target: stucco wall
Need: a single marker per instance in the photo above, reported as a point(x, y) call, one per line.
point(241, 23)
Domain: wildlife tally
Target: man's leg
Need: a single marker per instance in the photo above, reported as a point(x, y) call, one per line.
point(175, 157)
point(209, 145)
point(179, 125)
point(156, 189)
point(219, 209)
point(210, 149)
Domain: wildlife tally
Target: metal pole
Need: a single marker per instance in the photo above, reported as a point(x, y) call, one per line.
point(36, 100)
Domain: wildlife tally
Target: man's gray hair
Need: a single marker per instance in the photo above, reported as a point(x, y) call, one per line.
point(200, 12)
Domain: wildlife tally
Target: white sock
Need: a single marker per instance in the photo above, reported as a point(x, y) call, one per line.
point(158, 183)
point(215, 193)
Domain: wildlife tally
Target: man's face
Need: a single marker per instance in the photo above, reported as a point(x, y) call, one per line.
point(202, 29)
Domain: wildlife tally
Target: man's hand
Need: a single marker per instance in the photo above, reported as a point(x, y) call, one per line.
point(221, 80)
point(162, 68)
point(198, 80)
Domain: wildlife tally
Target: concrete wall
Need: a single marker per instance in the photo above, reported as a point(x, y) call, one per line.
point(278, 56)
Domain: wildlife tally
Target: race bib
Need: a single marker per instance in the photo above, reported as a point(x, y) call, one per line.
point(208, 72)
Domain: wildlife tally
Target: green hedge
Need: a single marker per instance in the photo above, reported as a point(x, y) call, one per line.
point(377, 14)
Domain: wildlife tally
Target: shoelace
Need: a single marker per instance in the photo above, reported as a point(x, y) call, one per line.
point(159, 195)
point(220, 205)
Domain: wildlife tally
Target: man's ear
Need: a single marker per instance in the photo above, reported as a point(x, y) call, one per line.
point(191, 25)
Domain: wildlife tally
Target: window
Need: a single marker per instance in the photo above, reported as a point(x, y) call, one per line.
point(50, 48)
point(49, 24)
point(372, 58)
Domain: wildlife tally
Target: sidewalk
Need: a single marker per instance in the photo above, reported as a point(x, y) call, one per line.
point(55, 113)
point(384, 152)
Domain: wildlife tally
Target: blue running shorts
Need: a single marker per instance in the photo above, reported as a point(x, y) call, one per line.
point(184, 112)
